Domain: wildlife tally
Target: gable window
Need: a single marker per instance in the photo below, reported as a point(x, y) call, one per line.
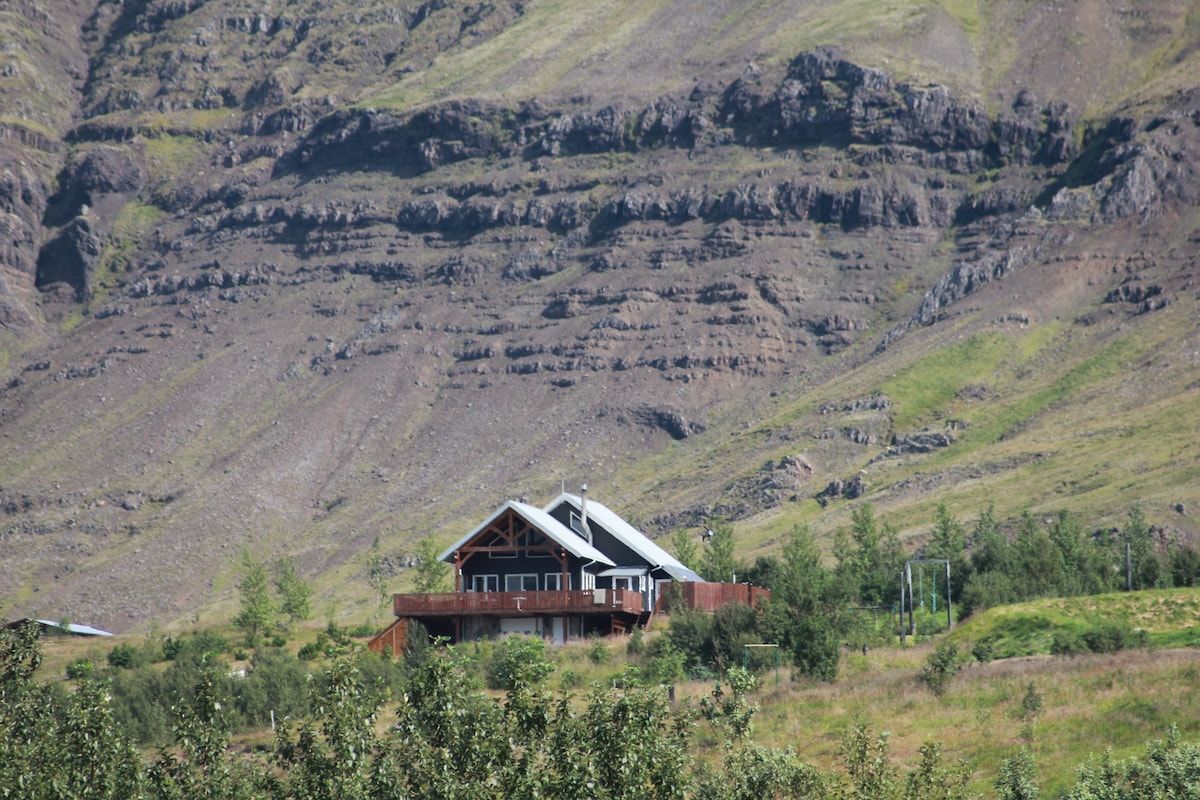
point(485, 583)
point(521, 582)
point(496, 541)
point(577, 524)
point(537, 544)
point(554, 582)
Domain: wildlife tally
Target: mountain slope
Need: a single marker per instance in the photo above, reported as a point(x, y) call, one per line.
point(310, 277)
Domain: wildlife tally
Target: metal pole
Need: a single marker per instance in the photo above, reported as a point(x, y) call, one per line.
point(912, 624)
point(1128, 570)
point(949, 618)
point(902, 609)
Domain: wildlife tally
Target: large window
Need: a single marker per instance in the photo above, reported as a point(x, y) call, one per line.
point(521, 582)
point(554, 582)
point(485, 583)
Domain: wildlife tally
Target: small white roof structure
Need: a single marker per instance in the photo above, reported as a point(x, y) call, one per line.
point(551, 528)
point(71, 627)
point(623, 572)
point(629, 536)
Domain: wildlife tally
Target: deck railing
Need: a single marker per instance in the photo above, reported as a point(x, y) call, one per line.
point(575, 601)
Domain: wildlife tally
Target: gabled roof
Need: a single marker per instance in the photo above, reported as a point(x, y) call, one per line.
point(629, 536)
point(549, 527)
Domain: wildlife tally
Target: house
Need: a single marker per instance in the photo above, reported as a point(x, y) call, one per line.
point(568, 570)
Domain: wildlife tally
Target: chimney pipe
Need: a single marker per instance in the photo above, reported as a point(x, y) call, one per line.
point(587, 529)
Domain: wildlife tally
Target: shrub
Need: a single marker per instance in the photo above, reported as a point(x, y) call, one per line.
point(667, 665)
point(570, 679)
point(363, 631)
point(520, 661)
point(310, 651)
point(940, 668)
point(123, 656)
point(278, 641)
point(1067, 643)
point(80, 668)
point(1110, 637)
point(598, 650)
point(984, 650)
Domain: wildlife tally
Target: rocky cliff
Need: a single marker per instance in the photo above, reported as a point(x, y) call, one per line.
point(312, 277)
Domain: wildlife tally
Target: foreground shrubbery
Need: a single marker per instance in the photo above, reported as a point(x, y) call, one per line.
point(451, 740)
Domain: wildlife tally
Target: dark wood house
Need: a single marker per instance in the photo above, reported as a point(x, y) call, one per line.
point(570, 569)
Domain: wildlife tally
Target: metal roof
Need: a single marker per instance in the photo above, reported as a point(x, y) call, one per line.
point(574, 544)
point(630, 536)
point(623, 572)
point(71, 627)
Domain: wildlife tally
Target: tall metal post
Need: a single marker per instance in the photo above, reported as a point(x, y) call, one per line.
point(912, 623)
point(949, 616)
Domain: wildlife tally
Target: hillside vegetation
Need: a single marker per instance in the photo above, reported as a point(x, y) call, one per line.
point(1045, 716)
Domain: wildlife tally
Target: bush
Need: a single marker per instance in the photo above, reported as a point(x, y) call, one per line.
point(519, 662)
point(123, 656)
point(598, 650)
point(310, 651)
point(278, 641)
point(1067, 643)
point(667, 664)
point(199, 644)
point(364, 631)
point(1110, 637)
point(637, 642)
point(940, 668)
point(80, 668)
point(984, 650)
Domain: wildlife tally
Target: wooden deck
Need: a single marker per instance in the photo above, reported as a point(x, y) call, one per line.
point(518, 604)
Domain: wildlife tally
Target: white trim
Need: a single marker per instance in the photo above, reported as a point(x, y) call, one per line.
point(477, 579)
point(522, 587)
point(554, 530)
point(554, 581)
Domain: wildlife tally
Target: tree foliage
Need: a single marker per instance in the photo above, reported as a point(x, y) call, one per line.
point(430, 573)
point(257, 606)
point(717, 562)
point(294, 593)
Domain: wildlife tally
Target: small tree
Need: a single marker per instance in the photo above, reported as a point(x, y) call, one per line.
point(294, 593)
point(257, 606)
point(377, 574)
point(1018, 778)
point(717, 563)
point(685, 548)
point(941, 667)
point(430, 572)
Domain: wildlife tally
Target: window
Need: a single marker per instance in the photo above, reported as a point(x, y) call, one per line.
point(521, 583)
point(577, 524)
point(554, 581)
point(496, 541)
point(534, 539)
point(485, 583)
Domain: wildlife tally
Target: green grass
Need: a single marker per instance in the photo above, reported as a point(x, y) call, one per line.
point(1103, 365)
point(1168, 617)
point(929, 385)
